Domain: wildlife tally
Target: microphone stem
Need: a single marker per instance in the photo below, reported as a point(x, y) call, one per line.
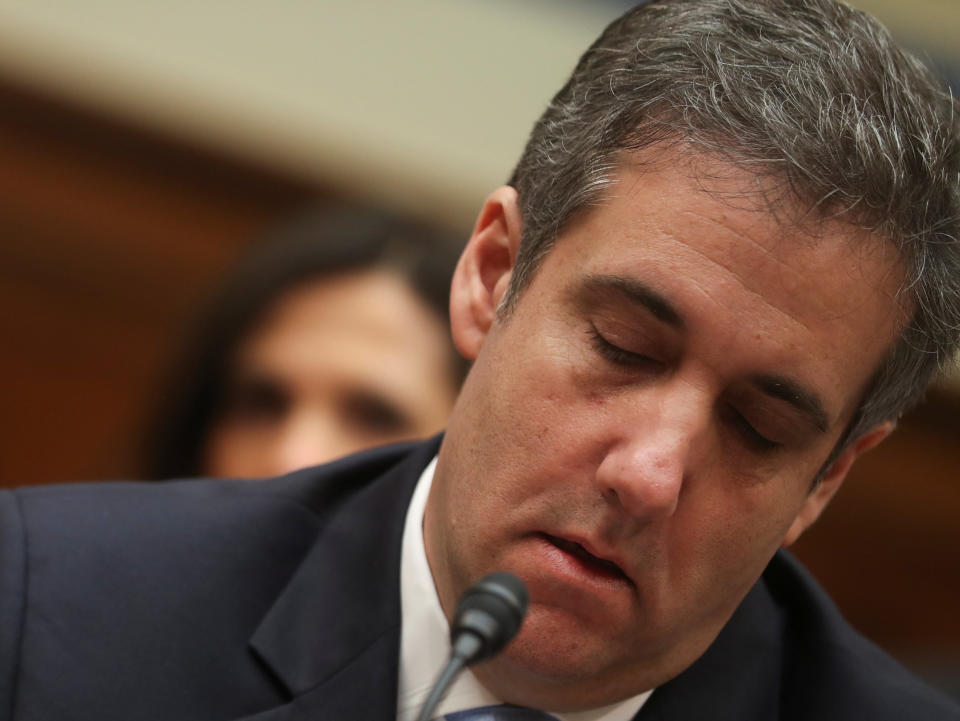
point(465, 648)
point(488, 615)
point(454, 666)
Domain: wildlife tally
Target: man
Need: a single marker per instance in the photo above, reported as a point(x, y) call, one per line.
point(725, 264)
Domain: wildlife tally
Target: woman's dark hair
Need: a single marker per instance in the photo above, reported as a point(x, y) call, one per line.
point(318, 242)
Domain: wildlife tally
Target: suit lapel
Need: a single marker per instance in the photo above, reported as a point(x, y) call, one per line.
point(333, 636)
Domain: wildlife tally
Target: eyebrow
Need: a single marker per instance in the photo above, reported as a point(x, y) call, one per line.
point(779, 387)
point(637, 293)
point(803, 399)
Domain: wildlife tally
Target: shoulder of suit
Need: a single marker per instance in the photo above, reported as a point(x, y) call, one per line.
point(179, 524)
point(834, 670)
point(314, 490)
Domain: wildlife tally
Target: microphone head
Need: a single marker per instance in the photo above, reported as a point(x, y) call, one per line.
point(488, 616)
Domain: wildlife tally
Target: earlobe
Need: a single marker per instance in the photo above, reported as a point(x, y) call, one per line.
point(832, 480)
point(484, 271)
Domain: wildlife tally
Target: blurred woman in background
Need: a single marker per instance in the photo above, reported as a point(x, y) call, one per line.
point(330, 337)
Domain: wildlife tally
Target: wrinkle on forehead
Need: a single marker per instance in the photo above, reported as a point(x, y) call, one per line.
point(787, 236)
point(800, 268)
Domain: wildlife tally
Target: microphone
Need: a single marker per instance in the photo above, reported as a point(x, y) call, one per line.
point(488, 616)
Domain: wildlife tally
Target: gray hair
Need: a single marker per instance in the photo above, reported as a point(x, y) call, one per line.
point(812, 92)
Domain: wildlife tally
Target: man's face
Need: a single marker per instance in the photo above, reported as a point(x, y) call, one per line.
point(640, 435)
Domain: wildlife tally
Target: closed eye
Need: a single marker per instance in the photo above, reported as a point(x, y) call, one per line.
point(617, 355)
point(756, 440)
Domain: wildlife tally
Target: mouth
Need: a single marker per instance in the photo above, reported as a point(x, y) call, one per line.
point(595, 564)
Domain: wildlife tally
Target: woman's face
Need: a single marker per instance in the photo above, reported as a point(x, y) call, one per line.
point(335, 365)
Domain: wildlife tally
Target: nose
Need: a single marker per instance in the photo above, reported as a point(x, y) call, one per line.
point(646, 466)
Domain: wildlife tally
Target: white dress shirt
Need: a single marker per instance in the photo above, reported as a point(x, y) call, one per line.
point(425, 641)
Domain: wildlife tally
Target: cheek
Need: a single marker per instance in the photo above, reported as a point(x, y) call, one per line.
point(539, 429)
point(549, 392)
point(746, 529)
point(230, 452)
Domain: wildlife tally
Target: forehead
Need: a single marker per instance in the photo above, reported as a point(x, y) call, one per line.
point(819, 296)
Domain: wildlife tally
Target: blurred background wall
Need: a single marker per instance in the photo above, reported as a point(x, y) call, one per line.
point(142, 146)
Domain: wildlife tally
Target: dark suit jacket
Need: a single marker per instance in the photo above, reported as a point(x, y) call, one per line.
point(279, 600)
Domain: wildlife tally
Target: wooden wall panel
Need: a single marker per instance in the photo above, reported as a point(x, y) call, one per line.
point(108, 238)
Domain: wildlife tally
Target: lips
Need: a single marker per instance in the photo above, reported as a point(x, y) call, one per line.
point(594, 563)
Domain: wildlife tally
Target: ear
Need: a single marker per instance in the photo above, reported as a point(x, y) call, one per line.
point(484, 270)
point(833, 479)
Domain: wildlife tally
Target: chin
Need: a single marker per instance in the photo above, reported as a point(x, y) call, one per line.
point(552, 676)
point(560, 662)
point(558, 651)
